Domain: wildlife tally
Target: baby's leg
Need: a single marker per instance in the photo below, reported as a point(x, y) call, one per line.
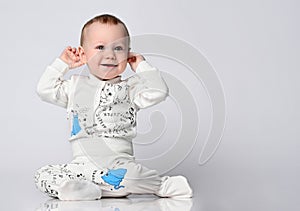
point(66, 182)
point(125, 177)
point(141, 180)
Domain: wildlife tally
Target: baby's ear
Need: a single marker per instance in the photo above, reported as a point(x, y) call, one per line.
point(82, 54)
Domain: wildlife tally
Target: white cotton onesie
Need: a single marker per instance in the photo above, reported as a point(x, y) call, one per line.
point(102, 118)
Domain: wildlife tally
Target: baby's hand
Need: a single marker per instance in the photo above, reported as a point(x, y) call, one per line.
point(134, 59)
point(71, 57)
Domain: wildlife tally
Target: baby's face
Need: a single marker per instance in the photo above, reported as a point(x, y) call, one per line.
point(106, 49)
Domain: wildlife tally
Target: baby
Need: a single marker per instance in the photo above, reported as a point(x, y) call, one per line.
point(102, 111)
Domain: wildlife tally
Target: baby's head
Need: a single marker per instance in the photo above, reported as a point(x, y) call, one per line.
point(105, 46)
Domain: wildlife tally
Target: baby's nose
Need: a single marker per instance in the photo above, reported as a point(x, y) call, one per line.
point(109, 54)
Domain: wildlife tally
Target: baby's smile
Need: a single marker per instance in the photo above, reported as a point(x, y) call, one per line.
point(108, 67)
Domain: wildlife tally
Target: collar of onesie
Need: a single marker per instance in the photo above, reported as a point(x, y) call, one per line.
point(96, 81)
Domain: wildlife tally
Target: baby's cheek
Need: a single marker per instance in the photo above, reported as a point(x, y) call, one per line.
point(92, 53)
point(122, 66)
point(121, 57)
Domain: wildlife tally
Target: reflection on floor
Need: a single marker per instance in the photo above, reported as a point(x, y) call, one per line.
point(131, 203)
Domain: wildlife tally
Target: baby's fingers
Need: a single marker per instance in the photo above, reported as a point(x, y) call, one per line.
point(75, 51)
point(131, 59)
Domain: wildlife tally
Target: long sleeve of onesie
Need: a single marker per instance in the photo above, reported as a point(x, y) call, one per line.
point(52, 87)
point(147, 86)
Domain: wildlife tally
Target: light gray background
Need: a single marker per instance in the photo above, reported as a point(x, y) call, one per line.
point(252, 45)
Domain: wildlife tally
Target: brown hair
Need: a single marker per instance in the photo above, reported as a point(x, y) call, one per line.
point(106, 19)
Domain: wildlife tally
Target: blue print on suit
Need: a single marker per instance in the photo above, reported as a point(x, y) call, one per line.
point(114, 177)
point(76, 127)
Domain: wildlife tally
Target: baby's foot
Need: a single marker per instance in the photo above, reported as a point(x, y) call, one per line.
point(79, 190)
point(175, 187)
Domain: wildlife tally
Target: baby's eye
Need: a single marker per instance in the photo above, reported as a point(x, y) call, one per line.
point(100, 47)
point(118, 48)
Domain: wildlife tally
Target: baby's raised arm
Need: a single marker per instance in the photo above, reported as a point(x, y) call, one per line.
point(52, 87)
point(147, 86)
